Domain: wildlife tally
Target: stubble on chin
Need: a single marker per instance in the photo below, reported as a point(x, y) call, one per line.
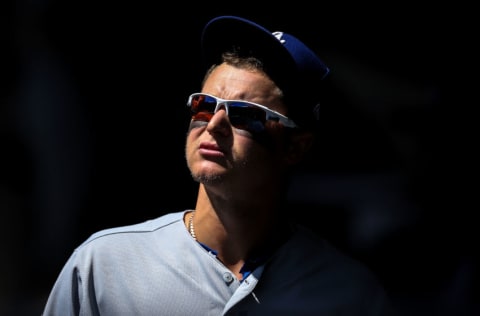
point(206, 179)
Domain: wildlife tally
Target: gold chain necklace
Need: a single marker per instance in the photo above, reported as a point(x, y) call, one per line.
point(191, 229)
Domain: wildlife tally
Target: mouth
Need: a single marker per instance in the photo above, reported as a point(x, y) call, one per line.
point(210, 149)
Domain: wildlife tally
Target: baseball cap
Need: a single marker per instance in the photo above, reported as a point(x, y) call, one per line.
point(292, 65)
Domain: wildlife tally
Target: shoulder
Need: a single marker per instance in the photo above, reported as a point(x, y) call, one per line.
point(318, 252)
point(136, 231)
point(309, 256)
point(311, 265)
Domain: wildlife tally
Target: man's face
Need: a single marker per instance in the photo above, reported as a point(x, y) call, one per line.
point(218, 152)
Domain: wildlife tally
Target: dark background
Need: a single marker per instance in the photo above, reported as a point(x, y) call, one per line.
point(93, 121)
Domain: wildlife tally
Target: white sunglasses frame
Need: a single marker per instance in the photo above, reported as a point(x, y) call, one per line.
point(270, 114)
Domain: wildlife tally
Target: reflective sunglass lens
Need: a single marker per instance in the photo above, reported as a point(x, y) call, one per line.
point(242, 115)
point(246, 117)
point(202, 116)
point(201, 103)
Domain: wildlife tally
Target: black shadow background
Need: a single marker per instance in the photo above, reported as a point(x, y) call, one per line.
point(92, 128)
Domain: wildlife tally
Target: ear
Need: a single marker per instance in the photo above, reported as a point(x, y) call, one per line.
point(299, 144)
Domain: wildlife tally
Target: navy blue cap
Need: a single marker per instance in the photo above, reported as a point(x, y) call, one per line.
point(294, 67)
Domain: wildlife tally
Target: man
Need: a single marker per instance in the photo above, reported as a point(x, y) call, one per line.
point(236, 252)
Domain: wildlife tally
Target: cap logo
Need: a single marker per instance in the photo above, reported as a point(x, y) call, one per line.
point(279, 36)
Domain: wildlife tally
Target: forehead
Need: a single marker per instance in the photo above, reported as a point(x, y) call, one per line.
point(232, 83)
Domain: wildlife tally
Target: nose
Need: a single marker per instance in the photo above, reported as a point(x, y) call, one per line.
point(219, 123)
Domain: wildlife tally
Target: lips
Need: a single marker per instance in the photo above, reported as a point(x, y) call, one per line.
point(210, 149)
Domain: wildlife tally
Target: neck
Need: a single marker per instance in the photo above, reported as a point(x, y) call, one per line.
point(235, 231)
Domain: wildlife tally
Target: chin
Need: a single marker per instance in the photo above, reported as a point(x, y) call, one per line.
point(207, 178)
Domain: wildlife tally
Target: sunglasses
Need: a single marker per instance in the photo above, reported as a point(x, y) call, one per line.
point(242, 114)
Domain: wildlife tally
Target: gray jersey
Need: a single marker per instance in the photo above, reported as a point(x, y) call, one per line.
point(157, 268)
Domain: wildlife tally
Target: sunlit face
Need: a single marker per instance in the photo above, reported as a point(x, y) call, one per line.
point(217, 152)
